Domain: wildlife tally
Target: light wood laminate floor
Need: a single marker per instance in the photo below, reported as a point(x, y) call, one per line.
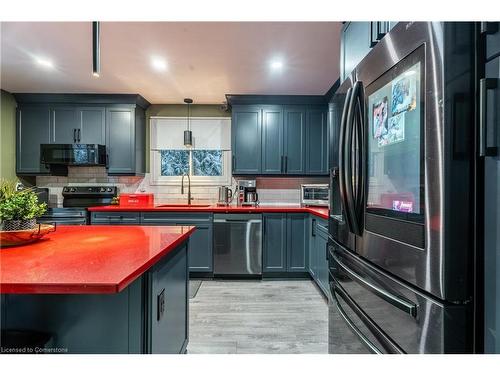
point(277, 316)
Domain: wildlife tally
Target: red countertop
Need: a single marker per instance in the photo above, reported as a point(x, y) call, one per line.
point(318, 211)
point(90, 259)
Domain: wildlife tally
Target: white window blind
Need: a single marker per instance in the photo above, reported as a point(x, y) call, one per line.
point(209, 133)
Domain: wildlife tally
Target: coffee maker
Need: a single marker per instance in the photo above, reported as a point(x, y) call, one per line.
point(247, 193)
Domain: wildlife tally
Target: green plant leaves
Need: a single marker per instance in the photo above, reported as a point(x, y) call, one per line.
point(19, 205)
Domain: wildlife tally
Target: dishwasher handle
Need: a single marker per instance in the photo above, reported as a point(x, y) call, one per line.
point(252, 221)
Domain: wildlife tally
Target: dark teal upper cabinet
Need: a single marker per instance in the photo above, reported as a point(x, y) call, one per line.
point(33, 129)
point(295, 140)
point(92, 126)
point(82, 118)
point(316, 142)
point(246, 127)
point(121, 140)
point(356, 41)
point(272, 140)
point(354, 45)
point(64, 125)
point(72, 124)
point(491, 30)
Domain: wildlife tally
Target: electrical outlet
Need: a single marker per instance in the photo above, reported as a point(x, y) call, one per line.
point(160, 305)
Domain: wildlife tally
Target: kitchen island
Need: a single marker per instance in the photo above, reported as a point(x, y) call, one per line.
point(100, 289)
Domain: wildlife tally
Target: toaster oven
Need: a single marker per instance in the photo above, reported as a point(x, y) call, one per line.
point(315, 195)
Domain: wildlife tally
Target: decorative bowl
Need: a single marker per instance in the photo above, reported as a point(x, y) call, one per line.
point(22, 237)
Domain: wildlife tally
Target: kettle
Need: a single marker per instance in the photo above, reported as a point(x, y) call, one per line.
point(225, 196)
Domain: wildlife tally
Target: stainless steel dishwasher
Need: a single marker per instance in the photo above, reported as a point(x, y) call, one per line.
point(237, 245)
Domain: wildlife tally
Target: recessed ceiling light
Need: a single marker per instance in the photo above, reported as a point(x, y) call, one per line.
point(44, 62)
point(159, 64)
point(276, 65)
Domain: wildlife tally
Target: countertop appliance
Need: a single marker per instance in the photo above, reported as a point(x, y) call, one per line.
point(76, 199)
point(402, 240)
point(225, 196)
point(74, 154)
point(315, 195)
point(247, 193)
point(238, 245)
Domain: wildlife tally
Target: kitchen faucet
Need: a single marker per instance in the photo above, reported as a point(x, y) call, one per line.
point(189, 187)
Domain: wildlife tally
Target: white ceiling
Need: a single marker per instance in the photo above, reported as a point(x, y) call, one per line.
point(206, 60)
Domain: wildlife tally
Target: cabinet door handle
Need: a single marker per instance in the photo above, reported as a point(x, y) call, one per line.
point(74, 135)
point(313, 228)
point(234, 163)
point(286, 164)
point(486, 84)
point(281, 167)
point(79, 133)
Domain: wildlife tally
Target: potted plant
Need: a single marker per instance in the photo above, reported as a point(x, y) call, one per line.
point(18, 209)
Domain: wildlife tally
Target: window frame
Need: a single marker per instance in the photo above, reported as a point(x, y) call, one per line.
point(155, 162)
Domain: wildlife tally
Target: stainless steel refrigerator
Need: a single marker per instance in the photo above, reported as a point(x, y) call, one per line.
point(402, 244)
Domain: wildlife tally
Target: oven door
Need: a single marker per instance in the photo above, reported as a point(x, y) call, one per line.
point(372, 311)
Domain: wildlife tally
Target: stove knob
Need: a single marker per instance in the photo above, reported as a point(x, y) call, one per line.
point(72, 190)
point(102, 190)
point(90, 189)
point(110, 190)
point(66, 189)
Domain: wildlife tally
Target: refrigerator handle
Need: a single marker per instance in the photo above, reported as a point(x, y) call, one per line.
point(349, 189)
point(385, 340)
point(486, 84)
point(399, 302)
point(360, 189)
point(341, 173)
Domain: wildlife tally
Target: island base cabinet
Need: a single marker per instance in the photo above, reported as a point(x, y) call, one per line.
point(168, 314)
point(121, 323)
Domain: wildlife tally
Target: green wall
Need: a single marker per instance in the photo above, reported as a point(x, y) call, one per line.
point(7, 135)
point(180, 110)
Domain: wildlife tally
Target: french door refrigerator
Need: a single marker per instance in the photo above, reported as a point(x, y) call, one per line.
point(401, 223)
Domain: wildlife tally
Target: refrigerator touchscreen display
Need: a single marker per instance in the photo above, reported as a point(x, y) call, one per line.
point(394, 143)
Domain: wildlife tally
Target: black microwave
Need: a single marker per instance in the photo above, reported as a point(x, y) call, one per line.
point(73, 154)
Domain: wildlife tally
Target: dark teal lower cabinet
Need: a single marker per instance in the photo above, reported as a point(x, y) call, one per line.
point(297, 243)
point(274, 243)
point(285, 247)
point(318, 261)
point(115, 218)
point(168, 314)
point(200, 242)
point(148, 316)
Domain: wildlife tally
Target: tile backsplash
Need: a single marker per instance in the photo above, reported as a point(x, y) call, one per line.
point(272, 190)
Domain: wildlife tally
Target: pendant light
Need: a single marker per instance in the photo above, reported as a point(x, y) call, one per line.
point(96, 49)
point(188, 135)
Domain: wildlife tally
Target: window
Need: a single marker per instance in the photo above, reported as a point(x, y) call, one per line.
point(193, 162)
point(208, 162)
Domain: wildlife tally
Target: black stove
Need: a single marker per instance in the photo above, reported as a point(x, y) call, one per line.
point(88, 196)
point(76, 200)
